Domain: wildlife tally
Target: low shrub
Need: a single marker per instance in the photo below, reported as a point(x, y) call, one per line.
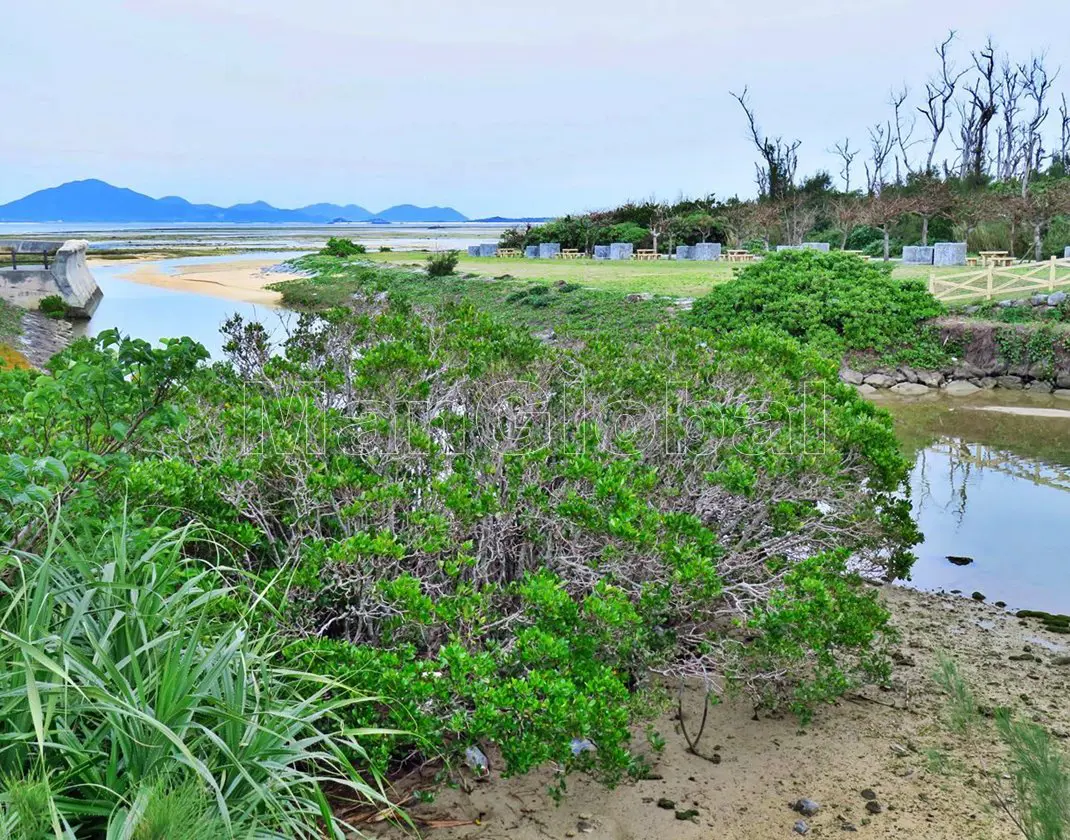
point(338, 247)
point(442, 263)
point(53, 306)
point(385, 249)
point(832, 301)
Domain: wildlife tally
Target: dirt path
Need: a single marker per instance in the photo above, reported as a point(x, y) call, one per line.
point(929, 784)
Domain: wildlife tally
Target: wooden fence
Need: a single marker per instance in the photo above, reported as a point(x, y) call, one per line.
point(991, 282)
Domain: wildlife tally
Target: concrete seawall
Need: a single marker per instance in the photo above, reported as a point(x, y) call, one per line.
point(67, 276)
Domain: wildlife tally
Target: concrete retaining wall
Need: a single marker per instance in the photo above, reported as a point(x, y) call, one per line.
point(68, 276)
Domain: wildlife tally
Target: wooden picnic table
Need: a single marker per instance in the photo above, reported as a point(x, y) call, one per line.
point(739, 255)
point(571, 254)
point(508, 252)
point(646, 254)
point(996, 258)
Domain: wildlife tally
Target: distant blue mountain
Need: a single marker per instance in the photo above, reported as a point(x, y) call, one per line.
point(97, 201)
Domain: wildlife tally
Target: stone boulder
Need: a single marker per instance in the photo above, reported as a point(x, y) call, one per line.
point(932, 378)
point(1013, 382)
point(960, 389)
point(968, 370)
point(910, 389)
point(1040, 386)
point(851, 377)
point(880, 380)
point(1056, 298)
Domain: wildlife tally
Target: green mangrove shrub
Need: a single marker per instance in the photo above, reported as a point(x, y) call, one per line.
point(338, 247)
point(831, 301)
point(442, 263)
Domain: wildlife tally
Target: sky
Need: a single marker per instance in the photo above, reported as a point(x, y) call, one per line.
point(495, 108)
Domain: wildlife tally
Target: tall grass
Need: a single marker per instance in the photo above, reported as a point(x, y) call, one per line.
point(136, 703)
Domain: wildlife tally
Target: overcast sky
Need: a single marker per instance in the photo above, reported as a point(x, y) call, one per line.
point(492, 106)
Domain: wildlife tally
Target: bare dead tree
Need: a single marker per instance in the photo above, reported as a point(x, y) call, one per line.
point(881, 143)
point(1009, 94)
point(780, 158)
point(904, 135)
point(982, 110)
point(847, 212)
point(1064, 134)
point(1037, 85)
point(939, 91)
point(848, 157)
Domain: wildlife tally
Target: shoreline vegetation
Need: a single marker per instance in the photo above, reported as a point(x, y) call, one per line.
point(473, 567)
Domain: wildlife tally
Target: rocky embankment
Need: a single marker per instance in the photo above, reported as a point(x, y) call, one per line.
point(41, 338)
point(1032, 356)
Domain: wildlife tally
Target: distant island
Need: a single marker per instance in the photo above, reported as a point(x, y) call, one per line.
point(97, 201)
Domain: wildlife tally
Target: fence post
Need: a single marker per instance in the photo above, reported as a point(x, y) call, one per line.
point(988, 280)
point(1051, 275)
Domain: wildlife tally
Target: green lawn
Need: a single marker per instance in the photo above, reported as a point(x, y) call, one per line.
point(664, 277)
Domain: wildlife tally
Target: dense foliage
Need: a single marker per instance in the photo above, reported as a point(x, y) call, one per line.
point(129, 708)
point(483, 529)
point(339, 247)
point(834, 301)
point(442, 263)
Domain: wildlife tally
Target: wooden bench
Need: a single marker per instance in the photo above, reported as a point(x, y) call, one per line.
point(975, 261)
point(571, 254)
point(646, 254)
point(508, 252)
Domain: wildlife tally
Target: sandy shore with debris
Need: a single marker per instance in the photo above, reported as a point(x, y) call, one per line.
point(890, 744)
point(243, 280)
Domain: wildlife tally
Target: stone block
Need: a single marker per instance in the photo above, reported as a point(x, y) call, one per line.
point(1066, 253)
point(531, 252)
point(473, 250)
point(621, 251)
point(816, 246)
point(601, 252)
point(918, 254)
point(488, 250)
point(685, 252)
point(949, 253)
point(780, 248)
point(549, 250)
point(706, 251)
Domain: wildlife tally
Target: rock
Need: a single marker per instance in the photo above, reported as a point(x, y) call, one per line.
point(806, 807)
point(1061, 661)
point(874, 807)
point(978, 596)
point(851, 377)
point(1039, 300)
point(880, 380)
point(869, 795)
point(847, 827)
point(968, 370)
point(1062, 393)
point(581, 745)
point(639, 297)
point(900, 751)
point(960, 389)
point(909, 374)
point(867, 390)
point(932, 378)
point(666, 804)
point(801, 827)
point(971, 310)
point(1040, 386)
point(909, 389)
point(689, 814)
point(907, 661)
point(476, 760)
point(1056, 298)
point(1006, 304)
point(1009, 381)
point(545, 336)
point(987, 383)
point(1062, 380)
point(959, 561)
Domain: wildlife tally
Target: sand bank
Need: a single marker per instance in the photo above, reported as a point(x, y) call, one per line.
point(929, 783)
point(243, 280)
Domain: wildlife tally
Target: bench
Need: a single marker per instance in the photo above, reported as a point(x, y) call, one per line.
point(508, 252)
point(646, 254)
point(571, 254)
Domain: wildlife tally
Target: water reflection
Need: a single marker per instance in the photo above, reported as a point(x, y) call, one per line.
point(995, 488)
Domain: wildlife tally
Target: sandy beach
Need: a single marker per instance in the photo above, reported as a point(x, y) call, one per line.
point(928, 782)
point(243, 280)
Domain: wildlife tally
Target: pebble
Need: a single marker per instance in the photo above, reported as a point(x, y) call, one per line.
point(801, 827)
point(869, 795)
point(874, 807)
point(806, 807)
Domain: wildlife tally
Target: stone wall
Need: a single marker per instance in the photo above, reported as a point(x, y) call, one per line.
point(531, 252)
point(989, 355)
point(684, 252)
point(488, 251)
point(706, 251)
point(473, 250)
point(621, 251)
point(68, 276)
point(549, 250)
point(917, 255)
point(601, 252)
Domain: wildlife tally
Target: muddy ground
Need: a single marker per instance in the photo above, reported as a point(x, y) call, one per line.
point(928, 782)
